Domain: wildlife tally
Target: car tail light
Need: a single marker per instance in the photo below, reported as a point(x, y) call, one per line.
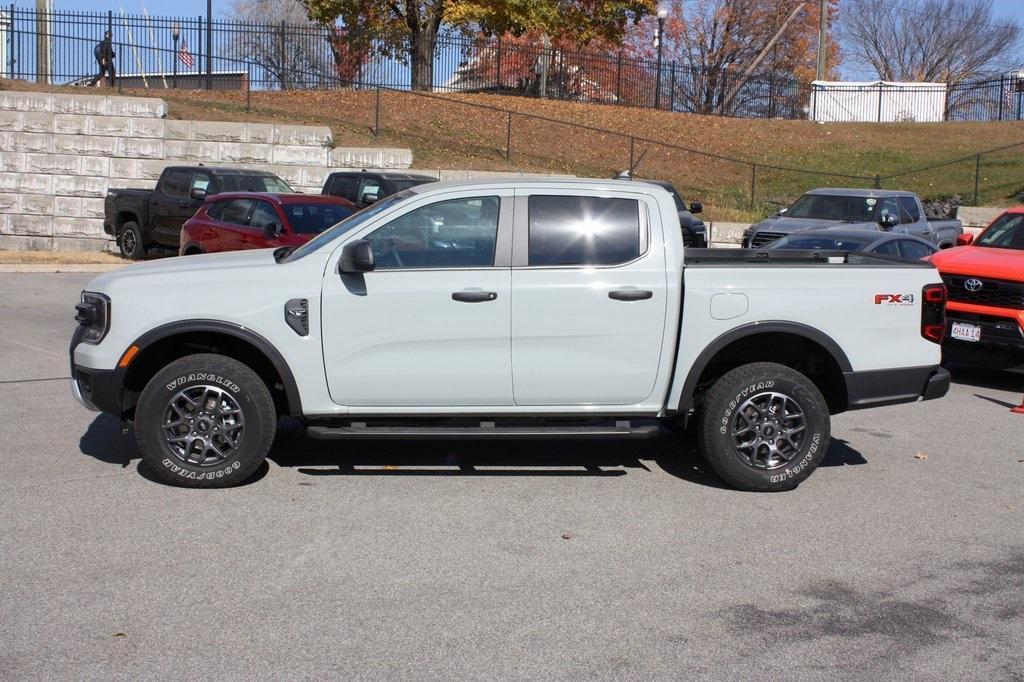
point(933, 312)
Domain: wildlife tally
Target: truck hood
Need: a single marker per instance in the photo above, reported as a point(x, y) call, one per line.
point(789, 225)
point(187, 265)
point(981, 261)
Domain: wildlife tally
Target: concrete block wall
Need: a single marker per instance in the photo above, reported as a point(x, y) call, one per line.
point(59, 154)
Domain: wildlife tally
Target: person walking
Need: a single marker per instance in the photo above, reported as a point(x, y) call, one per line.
point(104, 52)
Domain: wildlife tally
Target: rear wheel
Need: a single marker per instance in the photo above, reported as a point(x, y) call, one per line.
point(205, 421)
point(764, 427)
point(129, 240)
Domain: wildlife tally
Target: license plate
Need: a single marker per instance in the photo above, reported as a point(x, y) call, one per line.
point(965, 332)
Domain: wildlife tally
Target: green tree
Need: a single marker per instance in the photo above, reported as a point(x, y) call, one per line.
point(409, 28)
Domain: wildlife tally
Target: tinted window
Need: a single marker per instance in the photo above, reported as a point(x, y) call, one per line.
point(199, 181)
point(253, 183)
point(567, 230)
point(397, 185)
point(353, 221)
point(345, 186)
point(216, 209)
point(833, 207)
point(816, 243)
point(911, 214)
point(175, 183)
point(237, 211)
point(459, 233)
point(263, 216)
point(914, 250)
point(1007, 232)
point(888, 248)
point(314, 218)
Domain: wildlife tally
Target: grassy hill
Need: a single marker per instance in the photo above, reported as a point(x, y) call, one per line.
point(444, 132)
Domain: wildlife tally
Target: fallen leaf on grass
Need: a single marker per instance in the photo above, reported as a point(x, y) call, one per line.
point(920, 455)
point(567, 536)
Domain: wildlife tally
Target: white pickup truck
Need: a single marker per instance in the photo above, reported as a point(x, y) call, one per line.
point(530, 309)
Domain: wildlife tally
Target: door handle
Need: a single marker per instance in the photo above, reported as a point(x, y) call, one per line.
point(474, 296)
point(630, 294)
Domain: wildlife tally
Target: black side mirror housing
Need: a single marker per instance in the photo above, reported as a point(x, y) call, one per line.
point(199, 193)
point(273, 229)
point(356, 257)
point(696, 207)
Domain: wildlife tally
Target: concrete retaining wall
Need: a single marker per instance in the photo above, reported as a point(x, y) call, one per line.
point(60, 153)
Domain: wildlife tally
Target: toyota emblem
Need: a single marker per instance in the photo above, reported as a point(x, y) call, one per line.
point(973, 284)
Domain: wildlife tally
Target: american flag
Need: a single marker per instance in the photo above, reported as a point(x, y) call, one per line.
point(185, 56)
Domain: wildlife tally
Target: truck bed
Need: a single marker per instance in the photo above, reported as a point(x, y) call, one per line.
point(786, 257)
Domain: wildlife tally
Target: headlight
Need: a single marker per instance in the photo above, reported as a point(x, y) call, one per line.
point(93, 314)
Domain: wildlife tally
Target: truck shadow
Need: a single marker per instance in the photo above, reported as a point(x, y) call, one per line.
point(676, 455)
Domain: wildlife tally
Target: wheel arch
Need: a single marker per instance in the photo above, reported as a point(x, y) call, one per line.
point(795, 345)
point(162, 345)
point(126, 215)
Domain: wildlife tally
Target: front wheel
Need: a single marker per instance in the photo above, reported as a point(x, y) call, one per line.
point(205, 421)
point(764, 427)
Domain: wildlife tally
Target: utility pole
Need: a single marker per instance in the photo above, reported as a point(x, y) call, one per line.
point(822, 31)
point(757, 60)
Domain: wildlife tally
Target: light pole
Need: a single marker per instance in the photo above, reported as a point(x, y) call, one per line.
point(662, 15)
point(175, 34)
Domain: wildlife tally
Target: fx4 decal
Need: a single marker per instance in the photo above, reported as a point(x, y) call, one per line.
point(894, 299)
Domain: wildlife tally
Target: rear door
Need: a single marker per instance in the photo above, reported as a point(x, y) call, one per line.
point(234, 225)
point(588, 299)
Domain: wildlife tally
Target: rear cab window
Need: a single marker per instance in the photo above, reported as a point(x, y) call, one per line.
point(566, 230)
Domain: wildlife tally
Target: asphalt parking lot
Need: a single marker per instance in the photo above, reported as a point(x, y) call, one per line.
point(902, 556)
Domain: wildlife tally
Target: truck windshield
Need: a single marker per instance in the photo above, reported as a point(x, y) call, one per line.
point(405, 183)
point(834, 207)
point(1007, 232)
point(314, 217)
point(254, 183)
point(350, 223)
point(819, 243)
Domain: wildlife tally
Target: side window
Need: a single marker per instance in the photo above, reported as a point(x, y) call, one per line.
point(175, 183)
point(458, 233)
point(914, 250)
point(216, 209)
point(888, 248)
point(345, 186)
point(910, 212)
point(888, 207)
point(371, 188)
point(567, 230)
point(264, 215)
point(199, 181)
point(237, 211)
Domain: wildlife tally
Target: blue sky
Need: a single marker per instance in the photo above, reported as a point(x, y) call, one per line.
point(1008, 8)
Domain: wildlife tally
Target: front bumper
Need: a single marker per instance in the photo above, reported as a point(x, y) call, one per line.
point(1002, 339)
point(893, 386)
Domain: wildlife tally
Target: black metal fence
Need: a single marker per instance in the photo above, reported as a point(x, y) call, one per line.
point(57, 47)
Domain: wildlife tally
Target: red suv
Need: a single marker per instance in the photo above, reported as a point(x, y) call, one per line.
point(233, 221)
point(985, 280)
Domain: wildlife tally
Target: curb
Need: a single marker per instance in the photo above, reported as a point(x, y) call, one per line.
point(60, 267)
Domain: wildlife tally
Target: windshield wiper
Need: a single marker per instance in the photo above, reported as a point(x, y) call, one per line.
point(283, 252)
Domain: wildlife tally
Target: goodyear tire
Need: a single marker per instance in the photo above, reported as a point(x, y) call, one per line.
point(129, 240)
point(764, 427)
point(205, 421)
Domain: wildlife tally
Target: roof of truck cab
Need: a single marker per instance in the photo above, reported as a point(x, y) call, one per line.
point(855, 192)
point(222, 170)
point(388, 175)
point(504, 183)
point(283, 198)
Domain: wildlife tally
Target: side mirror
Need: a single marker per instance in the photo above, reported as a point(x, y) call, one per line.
point(696, 207)
point(782, 210)
point(356, 257)
point(964, 239)
point(369, 198)
point(199, 193)
point(888, 221)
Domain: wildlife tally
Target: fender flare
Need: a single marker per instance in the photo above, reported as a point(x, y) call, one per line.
point(291, 388)
point(751, 329)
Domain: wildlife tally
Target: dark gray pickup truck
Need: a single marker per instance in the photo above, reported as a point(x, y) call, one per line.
point(876, 209)
point(142, 218)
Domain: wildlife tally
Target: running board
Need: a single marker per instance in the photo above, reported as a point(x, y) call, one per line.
point(360, 430)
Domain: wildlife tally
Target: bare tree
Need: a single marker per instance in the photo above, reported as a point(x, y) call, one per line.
point(929, 40)
point(278, 37)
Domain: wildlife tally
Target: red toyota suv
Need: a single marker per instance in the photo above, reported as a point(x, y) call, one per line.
point(985, 281)
point(233, 221)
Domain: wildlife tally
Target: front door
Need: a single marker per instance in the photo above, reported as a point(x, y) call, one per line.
point(588, 300)
point(429, 326)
